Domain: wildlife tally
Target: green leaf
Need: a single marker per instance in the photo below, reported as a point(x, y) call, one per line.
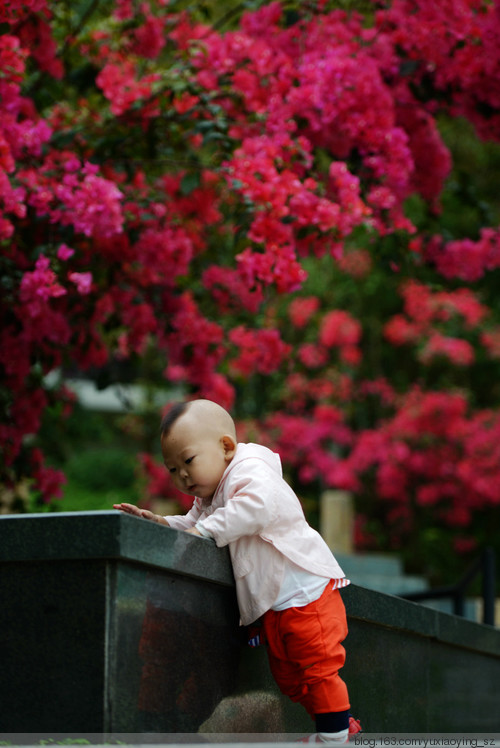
point(189, 183)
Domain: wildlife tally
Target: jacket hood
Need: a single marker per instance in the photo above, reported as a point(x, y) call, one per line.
point(256, 451)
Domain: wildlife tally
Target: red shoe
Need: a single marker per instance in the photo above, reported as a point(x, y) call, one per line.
point(354, 726)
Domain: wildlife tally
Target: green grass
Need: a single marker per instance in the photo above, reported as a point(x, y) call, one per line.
point(81, 499)
point(99, 478)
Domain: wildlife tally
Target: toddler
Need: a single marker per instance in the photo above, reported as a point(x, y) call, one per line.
point(286, 576)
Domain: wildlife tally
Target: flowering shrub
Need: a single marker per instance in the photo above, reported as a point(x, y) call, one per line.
point(238, 205)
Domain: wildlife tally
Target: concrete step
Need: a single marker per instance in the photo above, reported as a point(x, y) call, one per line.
point(381, 573)
point(381, 564)
point(385, 573)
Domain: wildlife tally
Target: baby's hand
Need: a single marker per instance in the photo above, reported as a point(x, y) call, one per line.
point(144, 513)
point(193, 531)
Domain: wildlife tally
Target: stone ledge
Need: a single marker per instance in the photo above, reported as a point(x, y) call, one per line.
point(111, 535)
point(115, 535)
point(411, 617)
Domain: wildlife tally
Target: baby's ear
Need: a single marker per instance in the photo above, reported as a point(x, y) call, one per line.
point(229, 447)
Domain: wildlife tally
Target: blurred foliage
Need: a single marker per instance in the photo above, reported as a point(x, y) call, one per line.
point(97, 477)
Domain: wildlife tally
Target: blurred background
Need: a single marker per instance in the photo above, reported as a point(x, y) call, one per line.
point(290, 208)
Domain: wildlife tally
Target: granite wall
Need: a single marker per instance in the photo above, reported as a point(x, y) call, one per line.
point(110, 624)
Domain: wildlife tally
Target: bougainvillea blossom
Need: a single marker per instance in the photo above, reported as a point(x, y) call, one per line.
point(237, 204)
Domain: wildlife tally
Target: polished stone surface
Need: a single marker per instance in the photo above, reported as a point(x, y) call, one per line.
point(114, 624)
point(412, 669)
point(111, 624)
point(109, 535)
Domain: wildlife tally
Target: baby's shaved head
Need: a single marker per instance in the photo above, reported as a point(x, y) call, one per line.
point(205, 414)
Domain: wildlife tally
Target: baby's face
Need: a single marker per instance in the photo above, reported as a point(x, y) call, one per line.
point(196, 459)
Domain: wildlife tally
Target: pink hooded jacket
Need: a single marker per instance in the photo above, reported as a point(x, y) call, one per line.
point(256, 513)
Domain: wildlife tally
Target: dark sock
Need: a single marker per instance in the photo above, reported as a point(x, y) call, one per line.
point(332, 721)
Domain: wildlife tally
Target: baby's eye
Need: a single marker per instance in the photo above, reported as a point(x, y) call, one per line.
point(171, 470)
point(189, 460)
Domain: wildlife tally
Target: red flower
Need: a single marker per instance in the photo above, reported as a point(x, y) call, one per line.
point(339, 328)
point(301, 310)
point(261, 351)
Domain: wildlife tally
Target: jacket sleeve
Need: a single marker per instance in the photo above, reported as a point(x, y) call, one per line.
point(185, 521)
point(250, 506)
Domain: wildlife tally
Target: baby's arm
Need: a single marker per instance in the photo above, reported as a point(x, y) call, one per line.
point(178, 522)
point(144, 513)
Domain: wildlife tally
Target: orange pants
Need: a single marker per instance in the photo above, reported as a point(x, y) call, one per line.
point(305, 652)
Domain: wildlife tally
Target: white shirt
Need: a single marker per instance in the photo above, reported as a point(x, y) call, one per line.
point(298, 588)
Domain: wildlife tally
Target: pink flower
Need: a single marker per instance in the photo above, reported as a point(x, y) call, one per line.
point(339, 328)
point(459, 352)
point(351, 355)
point(262, 351)
point(218, 389)
point(150, 37)
point(230, 291)
point(312, 356)
point(490, 339)
point(301, 310)
point(399, 330)
point(91, 206)
point(164, 254)
point(38, 286)
point(464, 258)
point(64, 252)
point(83, 282)
point(120, 86)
